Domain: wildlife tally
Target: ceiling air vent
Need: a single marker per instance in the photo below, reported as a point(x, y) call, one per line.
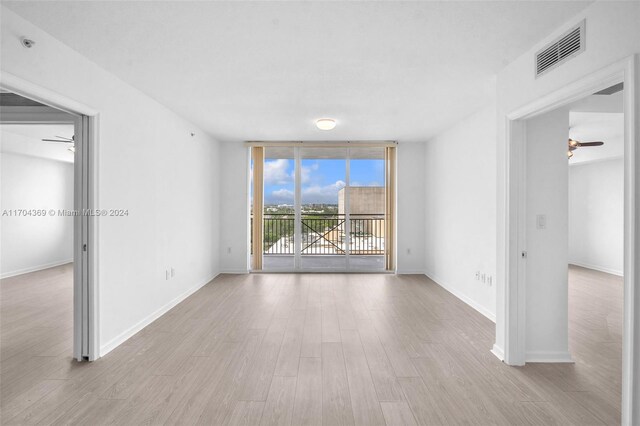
point(565, 47)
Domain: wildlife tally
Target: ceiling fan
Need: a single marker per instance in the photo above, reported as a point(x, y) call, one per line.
point(63, 139)
point(574, 144)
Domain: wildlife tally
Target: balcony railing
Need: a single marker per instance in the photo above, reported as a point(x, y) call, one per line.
point(324, 234)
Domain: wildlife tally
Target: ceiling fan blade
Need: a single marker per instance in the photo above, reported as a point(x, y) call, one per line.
point(56, 140)
point(598, 143)
point(65, 138)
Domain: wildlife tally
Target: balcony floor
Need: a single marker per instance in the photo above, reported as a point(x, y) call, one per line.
point(315, 263)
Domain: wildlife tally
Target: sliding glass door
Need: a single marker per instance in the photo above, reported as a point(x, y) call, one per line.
point(279, 213)
point(367, 192)
point(321, 208)
point(324, 228)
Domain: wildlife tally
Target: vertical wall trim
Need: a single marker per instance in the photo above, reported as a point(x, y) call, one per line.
point(631, 319)
point(390, 170)
point(257, 154)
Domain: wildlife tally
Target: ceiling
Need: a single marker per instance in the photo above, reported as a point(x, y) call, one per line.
point(607, 127)
point(267, 70)
point(597, 118)
point(26, 139)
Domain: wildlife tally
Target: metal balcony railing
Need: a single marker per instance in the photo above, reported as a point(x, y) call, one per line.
point(324, 234)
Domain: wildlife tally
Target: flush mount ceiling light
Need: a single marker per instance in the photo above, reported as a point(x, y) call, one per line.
point(326, 123)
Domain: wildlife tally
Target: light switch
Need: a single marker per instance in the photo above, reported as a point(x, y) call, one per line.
point(541, 221)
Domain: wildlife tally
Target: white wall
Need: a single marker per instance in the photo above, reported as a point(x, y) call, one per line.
point(596, 228)
point(234, 187)
point(612, 34)
point(546, 264)
point(149, 164)
point(460, 239)
point(31, 243)
point(410, 224)
point(410, 221)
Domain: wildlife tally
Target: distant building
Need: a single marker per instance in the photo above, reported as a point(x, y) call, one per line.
point(365, 202)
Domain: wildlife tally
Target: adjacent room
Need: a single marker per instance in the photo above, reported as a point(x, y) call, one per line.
point(37, 248)
point(596, 237)
point(37, 171)
point(319, 213)
point(573, 236)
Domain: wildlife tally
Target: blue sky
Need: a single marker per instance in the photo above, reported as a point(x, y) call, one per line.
point(321, 179)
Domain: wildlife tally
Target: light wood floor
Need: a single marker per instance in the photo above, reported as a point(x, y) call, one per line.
point(303, 350)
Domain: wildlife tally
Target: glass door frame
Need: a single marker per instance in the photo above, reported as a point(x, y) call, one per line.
point(390, 215)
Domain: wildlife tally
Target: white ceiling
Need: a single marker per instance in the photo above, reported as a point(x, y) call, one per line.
point(26, 139)
point(266, 70)
point(597, 118)
point(607, 127)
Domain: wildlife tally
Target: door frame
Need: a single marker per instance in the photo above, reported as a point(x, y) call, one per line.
point(86, 289)
point(511, 321)
point(297, 146)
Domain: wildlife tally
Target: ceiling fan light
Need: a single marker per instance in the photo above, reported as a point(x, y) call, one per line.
point(326, 124)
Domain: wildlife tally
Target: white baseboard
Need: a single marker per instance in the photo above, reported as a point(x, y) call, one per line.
point(597, 268)
point(35, 268)
point(410, 272)
point(465, 299)
point(235, 271)
point(550, 357)
point(498, 352)
point(125, 335)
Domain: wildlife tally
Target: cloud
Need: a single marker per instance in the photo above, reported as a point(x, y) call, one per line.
point(305, 172)
point(316, 194)
point(327, 194)
point(281, 172)
point(282, 196)
point(276, 172)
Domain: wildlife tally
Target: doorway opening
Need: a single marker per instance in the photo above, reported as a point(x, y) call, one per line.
point(596, 238)
point(322, 208)
point(45, 231)
point(533, 326)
